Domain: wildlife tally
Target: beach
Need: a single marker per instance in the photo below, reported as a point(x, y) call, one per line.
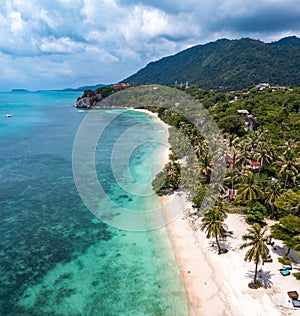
point(218, 284)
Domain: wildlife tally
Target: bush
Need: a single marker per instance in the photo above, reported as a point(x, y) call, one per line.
point(256, 214)
point(297, 275)
point(284, 261)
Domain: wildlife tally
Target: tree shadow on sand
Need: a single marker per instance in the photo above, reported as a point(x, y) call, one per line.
point(224, 243)
point(263, 276)
point(282, 250)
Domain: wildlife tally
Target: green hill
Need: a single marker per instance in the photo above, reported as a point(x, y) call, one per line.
point(227, 64)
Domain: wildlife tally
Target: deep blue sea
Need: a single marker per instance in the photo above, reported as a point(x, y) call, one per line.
point(56, 257)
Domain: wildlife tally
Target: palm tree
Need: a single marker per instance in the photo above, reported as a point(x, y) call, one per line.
point(264, 154)
point(173, 174)
point(288, 163)
point(249, 190)
point(259, 251)
point(273, 191)
point(205, 167)
point(213, 223)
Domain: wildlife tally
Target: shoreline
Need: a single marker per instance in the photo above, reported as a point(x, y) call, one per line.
point(218, 284)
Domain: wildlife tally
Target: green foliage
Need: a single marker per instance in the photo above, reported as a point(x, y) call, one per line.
point(288, 202)
point(256, 214)
point(288, 230)
point(226, 64)
point(259, 251)
point(297, 275)
point(213, 223)
point(199, 195)
point(232, 124)
point(284, 261)
point(167, 180)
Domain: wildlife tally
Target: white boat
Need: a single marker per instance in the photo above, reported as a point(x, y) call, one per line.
point(8, 115)
point(81, 111)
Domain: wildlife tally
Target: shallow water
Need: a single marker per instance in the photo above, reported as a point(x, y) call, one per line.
point(57, 258)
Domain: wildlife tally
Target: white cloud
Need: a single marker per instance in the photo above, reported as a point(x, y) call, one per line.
point(98, 54)
point(46, 17)
point(62, 45)
point(120, 36)
point(17, 25)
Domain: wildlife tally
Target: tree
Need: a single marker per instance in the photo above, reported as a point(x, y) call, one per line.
point(256, 214)
point(168, 179)
point(273, 191)
point(264, 154)
point(287, 230)
point(288, 162)
point(234, 155)
point(213, 224)
point(205, 167)
point(249, 189)
point(232, 124)
point(289, 202)
point(259, 251)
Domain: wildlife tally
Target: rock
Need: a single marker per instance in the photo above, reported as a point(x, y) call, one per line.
point(83, 103)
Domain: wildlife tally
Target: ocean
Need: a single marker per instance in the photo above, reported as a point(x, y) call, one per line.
point(58, 257)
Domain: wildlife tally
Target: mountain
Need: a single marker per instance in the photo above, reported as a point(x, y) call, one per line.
point(291, 40)
point(227, 64)
point(84, 88)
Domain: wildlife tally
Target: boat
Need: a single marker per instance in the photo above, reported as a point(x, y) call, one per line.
point(8, 115)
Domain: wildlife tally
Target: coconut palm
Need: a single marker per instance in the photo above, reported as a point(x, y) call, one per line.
point(173, 174)
point(259, 251)
point(205, 167)
point(273, 191)
point(249, 190)
point(264, 154)
point(288, 163)
point(290, 144)
point(213, 223)
point(234, 157)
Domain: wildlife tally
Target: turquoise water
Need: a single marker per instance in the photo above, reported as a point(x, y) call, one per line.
point(57, 258)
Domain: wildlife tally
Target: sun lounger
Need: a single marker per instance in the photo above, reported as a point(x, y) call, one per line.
point(293, 295)
point(296, 303)
point(287, 267)
point(285, 272)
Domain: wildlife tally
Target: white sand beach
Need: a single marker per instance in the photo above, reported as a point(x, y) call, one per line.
point(218, 284)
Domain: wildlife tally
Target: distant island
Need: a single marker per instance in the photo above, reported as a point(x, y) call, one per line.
point(19, 90)
point(84, 88)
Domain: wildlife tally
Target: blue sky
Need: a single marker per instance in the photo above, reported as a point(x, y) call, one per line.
point(53, 44)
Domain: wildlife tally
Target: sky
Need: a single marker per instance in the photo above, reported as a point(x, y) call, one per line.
point(56, 44)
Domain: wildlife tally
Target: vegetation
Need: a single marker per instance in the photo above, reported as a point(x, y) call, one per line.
point(284, 261)
point(297, 275)
point(227, 65)
point(168, 180)
point(288, 230)
point(271, 189)
point(259, 251)
point(213, 224)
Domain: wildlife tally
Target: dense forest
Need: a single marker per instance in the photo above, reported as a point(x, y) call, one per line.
point(262, 165)
point(227, 65)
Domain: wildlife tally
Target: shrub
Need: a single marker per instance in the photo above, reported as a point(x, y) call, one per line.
point(284, 261)
point(256, 214)
point(297, 275)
